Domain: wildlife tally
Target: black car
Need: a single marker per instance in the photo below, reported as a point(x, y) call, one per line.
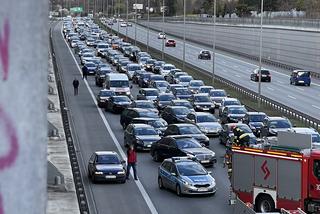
point(142, 136)
point(149, 64)
point(106, 166)
point(233, 114)
point(118, 103)
point(177, 146)
point(182, 93)
point(137, 75)
point(226, 135)
point(175, 114)
point(255, 121)
point(163, 100)
point(272, 125)
point(148, 94)
point(100, 76)
point(156, 67)
point(155, 77)
point(204, 54)
point(143, 79)
point(122, 65)
point(103, 97)
point(202, 102)
point(172, 79)
point(184, 103)
point(265, 75)
point(188, 130)
point(89, 68)
point(130, 113)
point(145, 104)
point(157, 123)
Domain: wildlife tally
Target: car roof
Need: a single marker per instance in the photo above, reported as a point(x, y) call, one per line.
point(200, 95)
point(304, 130)
point(180, 101)
point(230, 99)
point(201, 113)
point(107, 90)
point(106, 153)
point(183, 124)
point(142, 101)
point(145, 119)
point(140, 109)
point(141, 125)
point(149, 89)
point(255, 113)
point(277, 118)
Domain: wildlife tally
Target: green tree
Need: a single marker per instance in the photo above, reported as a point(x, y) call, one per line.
point(243, 10)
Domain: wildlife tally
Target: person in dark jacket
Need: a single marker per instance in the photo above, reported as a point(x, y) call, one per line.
point(84, 73)
point(131, 161)
point(75, 84)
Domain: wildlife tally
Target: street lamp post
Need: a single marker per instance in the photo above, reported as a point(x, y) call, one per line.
point(118, 16)
point(162, 53)
point(127, 20)
point(135, 24)
point(214, 39)
point(184, 35)
point(260, 55)
point(148, 30)
point(107, 8)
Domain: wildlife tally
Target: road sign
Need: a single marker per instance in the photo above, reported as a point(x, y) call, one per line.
point(138, 6)
point(76, 10)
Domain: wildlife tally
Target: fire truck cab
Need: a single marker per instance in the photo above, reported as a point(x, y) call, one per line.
point(271, 177)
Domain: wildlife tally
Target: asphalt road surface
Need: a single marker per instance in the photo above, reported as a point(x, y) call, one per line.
point(293, 47)
point(237, 70)
point(95, 129)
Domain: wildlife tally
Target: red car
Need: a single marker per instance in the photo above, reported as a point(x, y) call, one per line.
point(170, 43)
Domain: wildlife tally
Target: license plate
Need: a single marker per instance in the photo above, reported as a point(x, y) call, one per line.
point(110, 176)
point(149, 145)
point(264, 75)
point(206, 109)
point(202, 189)
point(205, 161)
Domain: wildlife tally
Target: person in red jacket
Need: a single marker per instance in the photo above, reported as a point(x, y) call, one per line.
point(131, 161)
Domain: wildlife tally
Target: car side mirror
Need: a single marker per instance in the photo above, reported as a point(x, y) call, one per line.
point(91, 162)
point(203, 145)
point(123, 162)
point(210, 172)
point(173, 174)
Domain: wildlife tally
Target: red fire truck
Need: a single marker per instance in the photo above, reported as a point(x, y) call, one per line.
point(286, 175)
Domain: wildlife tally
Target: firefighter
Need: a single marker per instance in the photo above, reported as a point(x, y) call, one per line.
point(240, 137)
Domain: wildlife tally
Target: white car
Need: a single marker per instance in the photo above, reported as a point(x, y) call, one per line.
point(161, 35)
point(123, 24)
point(166, 68)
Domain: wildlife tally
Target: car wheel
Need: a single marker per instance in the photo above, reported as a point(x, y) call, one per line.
point(178, 190)
point(160, 184)
point(156, 157)
point(308, 84)
point(290, 82)
point(265, 204)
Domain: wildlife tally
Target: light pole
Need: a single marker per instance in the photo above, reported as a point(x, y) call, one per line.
point(260, 55)
point(135, 24)
point(127, 21)
point(184, 35)
point(162, 53)
point(107, 8)
point(118, 16)
point(148, 30)
point(214, 39)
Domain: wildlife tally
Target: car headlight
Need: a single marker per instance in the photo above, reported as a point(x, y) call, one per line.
point(98, 173)
point(186, 182)
point(128, 93)
point(203, 129)
point(121, 172)
point(139, 142)
point(198, 106)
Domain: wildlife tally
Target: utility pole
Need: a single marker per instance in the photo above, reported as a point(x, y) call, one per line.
point(148, 30)
point(107, 8)
point(127, 19)
point(162, 49)
point(260, 55)
point(118, 16)
point(184, 35)
point(135, 25)
point(214, 40)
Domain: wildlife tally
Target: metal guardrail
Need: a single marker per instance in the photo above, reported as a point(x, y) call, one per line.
point(81, 195)
point(285, 22)
point(307, 120)
point(248, 56)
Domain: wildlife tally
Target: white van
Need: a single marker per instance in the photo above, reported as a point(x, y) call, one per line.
point(119, 83)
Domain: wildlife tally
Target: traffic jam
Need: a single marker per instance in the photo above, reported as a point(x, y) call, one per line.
point(172, 115)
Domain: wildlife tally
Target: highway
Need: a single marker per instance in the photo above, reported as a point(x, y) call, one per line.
point(94, 129)
point(237, 70)
point(292, 47)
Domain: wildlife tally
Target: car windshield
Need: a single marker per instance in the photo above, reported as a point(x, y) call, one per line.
point(231, 102)
point(187, 143)
point(134, 68)
point(245, 128)
point(145, 131)
point(206, 118)
point(168, 97)
point(189, 130)
point(218, 94)
point(145, 76)
point(152, 93)
point(185, 104)
point(191, 169)
point(157, 124)
point(149, 114)
point(205, 52)
point(182, 91)
point(91, 65)
point(181, 111)
point(156, 77)
point(121, 99)
point(106, 93)
point(237, 110)
point(257, 118)
point(158, 63)
point(107, 159)
point(144, 105)
point(196, 84)
point(202, 99)
point(315, 138)
point(205, 90)
point(162, 84)
point(168, 67)
point(119, 83)
point(280, 124)
point(185, 79)
point(125, 63)
point(265, 72)
point(304, 74)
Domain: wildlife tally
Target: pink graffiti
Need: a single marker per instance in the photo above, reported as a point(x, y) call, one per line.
point(4, 49)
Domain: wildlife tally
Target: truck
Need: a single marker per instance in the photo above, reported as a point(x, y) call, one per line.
point(281, 176)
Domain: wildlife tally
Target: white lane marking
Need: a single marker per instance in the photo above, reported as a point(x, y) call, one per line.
point(292, 97)
point(237, 75)
point(316, 107)
point(301, 89)
point(279, 81)
point(142, 190)
point(271, 89)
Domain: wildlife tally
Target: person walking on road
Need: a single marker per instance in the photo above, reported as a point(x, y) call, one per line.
point(131, 162)
point(84, 74)
point(75, 84)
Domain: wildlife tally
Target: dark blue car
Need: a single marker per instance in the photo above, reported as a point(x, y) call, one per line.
point(89, 68)
point(300, 77)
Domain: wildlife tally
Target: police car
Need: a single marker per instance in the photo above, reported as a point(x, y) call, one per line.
point(185, 176)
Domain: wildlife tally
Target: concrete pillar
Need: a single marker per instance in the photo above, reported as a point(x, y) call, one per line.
point(23, 103)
